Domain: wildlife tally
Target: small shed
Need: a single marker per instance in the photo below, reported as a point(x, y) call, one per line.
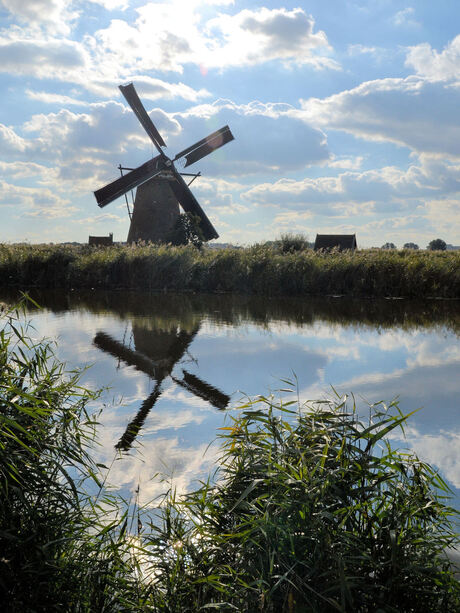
point(342, 242)
point(105, 241)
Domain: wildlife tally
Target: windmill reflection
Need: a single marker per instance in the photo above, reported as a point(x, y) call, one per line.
point(156, 353)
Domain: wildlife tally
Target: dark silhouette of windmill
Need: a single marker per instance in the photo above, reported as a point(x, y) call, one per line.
point(156, 353)
point(160, 187)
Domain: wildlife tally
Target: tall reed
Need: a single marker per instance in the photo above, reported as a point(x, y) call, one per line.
point(261, 269)
point(311, 511)
point(61, 549)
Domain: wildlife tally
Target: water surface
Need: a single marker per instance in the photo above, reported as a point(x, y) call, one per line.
point(175, 364)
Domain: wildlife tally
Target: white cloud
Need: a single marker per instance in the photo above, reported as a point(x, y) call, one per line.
point(444, 217)
point(49, 98)
point(165, 38)
point(34, 201)
point(10, 142)
point(386, 185)
point(63, 59)
point(107, 128)
point(83, 149)
point(102, 218)
point(405, 17)
point(395, 110)
point(268, 34)
point(427, 62)
point(149, 88)
point(351, 163)
point(266, 136)
point(21, 170)
point(51, 14)
point(359, 49)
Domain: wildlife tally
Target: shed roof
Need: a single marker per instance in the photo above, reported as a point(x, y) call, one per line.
point(329, 241)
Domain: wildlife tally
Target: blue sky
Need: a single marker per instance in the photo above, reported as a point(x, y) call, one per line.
point(345, 114)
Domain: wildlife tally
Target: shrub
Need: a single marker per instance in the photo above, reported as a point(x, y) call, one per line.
point(293, 242)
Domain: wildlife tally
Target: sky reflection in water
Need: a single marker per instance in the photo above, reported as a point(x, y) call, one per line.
point(174, 362)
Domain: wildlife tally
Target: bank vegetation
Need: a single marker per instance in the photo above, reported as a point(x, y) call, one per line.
point(264, 269)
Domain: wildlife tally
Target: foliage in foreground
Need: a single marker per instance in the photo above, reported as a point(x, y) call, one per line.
point(308, 513)
point(312, 512)
point(59, 549)
point(287, 268)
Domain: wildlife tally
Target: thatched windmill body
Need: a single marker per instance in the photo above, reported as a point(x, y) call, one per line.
point(161, 188)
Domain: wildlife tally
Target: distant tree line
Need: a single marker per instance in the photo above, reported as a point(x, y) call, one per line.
point(436, 244)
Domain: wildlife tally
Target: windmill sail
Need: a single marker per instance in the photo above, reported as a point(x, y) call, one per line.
point(132, 429)
point(206, 146)
point(204, 390)
point(190, 205)
point(134, 102)
point(105, 195)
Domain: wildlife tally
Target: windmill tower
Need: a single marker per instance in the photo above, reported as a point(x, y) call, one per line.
point(160, 187)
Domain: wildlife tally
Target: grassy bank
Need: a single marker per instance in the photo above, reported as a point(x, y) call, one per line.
point(311, 511)
point(261, 269)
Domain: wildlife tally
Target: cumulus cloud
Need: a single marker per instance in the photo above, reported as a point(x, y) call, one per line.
point(72, 62)
point(62, 59)
point(22, 170)
point(395, 110)
point(267, 138)
point(443, 215)
point(34, 201)
point(268, 34)
point(386, 185)
point(54, 15)
point(11, 142)
point(85, 148)
point(107, 128)
point(102, 218)
point(427, 62)
point(165, 38)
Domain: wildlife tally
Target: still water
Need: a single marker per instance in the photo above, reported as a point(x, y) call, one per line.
point(174, 365)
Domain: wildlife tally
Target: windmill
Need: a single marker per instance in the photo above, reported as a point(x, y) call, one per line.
point(160, 187)
point(156, 354)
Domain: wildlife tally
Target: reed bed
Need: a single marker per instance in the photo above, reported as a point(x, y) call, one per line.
point(311, 509)
point(260, 269)
point(62, 549)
